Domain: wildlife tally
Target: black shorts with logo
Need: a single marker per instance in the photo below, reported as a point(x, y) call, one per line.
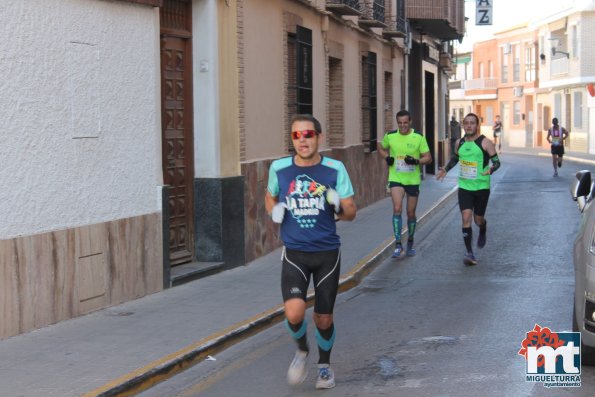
point(411, 190)
point(558, 150)
point(325, 269)
point(476, 200)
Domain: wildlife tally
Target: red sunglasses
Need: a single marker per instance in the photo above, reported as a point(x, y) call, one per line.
point(304, 133)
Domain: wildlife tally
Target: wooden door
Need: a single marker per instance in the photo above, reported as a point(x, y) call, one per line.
point(176, 121)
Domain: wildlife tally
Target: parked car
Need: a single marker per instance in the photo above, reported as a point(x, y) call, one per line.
point(583, 319)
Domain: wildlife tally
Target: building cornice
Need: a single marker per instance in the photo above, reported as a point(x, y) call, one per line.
point(154, 3)
point(483, 96)
point(562, 83)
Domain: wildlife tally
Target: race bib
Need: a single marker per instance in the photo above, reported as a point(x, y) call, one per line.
point(402, 166)
point(556, 141)
point(468, 169)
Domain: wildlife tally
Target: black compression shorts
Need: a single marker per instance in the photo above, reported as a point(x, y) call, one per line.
point(325, 269)
point(411, 190)
point(476, 200)
point(558, 150)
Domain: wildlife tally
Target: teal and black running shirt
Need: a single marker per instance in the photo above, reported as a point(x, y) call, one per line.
point(309, 223)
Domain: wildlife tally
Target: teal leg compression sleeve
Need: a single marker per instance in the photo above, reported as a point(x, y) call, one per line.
point(397, 226)
point(326, 340)
point(411, 225)
point(298, 332)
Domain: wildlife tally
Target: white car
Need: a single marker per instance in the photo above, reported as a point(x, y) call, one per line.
point(584, 267)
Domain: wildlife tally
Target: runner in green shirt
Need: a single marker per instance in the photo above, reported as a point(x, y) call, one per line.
point(404, 151)
point(474, 152)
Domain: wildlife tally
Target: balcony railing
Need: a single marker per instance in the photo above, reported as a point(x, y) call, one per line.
point(395, 27)
point(446, 62)
point(372, 14)
point(344, 7)
point(480, 84)
point(455, 85)
point(439, 18)
point(559, 66)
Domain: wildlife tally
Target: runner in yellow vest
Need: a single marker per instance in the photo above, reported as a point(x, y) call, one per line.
point(474, 153)
point(404, 151)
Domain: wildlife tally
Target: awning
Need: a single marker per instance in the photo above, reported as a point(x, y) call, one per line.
point(464, 59)
point(557, 25)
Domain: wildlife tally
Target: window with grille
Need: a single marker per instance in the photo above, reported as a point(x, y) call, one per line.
point(299, 71)
point(299, 74)
point(336, 128)
point(516, 112)
point(504, 68)
point(575, 41)
point(577, 110)
point(558, 106)
point(369, 102)
point(516, 73)
point(530, 63)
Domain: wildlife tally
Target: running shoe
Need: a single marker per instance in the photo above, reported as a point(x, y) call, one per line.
point(297, 371)
point(470, 259)
point(410, 249)
point(398, 252)
point(559, 164)
point(481, 239)
point(555, 173)
point(326, 377)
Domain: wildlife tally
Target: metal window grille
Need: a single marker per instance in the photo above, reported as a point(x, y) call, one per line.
point(369, 102)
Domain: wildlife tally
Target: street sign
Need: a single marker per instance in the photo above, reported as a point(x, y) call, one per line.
point(483, 12)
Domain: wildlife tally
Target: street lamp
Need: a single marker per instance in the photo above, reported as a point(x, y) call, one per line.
point(555, 43)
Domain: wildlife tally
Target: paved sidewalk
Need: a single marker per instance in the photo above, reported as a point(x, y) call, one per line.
point(125, 348)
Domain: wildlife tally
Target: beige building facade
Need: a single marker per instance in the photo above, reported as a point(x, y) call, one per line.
point(356, 64)
point(312, 58)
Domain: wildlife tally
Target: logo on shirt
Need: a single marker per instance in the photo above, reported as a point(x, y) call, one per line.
point(305, 199)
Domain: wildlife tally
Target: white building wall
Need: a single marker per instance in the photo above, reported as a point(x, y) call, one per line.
point(80, 110)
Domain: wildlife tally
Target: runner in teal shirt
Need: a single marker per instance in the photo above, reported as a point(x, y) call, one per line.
point(306, 193)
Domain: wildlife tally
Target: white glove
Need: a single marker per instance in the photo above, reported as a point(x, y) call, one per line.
point(278, 212)
point(332, 197)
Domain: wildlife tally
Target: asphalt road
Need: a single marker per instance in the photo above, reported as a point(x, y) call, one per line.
point(428, 325)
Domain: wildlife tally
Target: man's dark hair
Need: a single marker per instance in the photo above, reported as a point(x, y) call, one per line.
point(307, 117)
point(473, 115)
point(402, 113)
